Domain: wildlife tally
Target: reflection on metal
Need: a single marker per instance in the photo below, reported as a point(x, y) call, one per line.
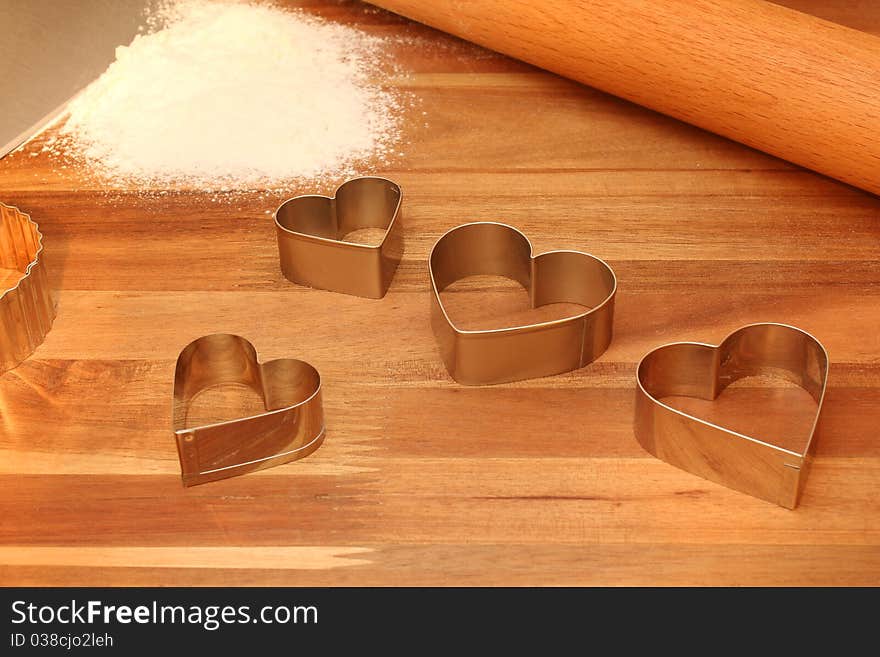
point(534, 350)
point(26, 307)
point(291, 428)
point(691, 369)
point(311, 231)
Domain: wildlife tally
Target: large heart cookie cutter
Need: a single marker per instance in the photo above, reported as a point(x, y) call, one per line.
point(692, 369)
point(26, 308)
point(311, 230)
point(292, 426)
point(521, 352)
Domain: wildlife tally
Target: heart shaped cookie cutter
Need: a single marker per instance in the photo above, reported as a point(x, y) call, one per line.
point(479, 357)
point(311, 231)
point(693, 369)
point(26, 308)
point(292, 426)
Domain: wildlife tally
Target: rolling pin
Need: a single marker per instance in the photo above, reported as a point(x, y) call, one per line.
point(775, 79)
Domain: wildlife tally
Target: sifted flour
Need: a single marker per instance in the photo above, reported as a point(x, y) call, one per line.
point(227, 95)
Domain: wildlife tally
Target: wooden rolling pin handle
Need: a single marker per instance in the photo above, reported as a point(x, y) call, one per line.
point(787, 83)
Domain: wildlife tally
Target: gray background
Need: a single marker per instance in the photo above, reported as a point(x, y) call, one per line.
point(50, 49)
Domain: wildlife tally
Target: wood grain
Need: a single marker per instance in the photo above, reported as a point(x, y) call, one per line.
point(422, 481)
point(788, 83)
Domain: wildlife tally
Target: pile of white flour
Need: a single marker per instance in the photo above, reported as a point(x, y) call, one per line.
point(230, 95)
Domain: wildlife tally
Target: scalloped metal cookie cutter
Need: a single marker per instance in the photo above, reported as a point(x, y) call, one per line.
point(311, 229)
point(692, 369)
point(27, 309)
point(291, 428)
point(533, 350)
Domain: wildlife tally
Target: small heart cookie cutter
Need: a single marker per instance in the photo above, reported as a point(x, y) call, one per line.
point(733, 459)
point(27, 309)
point(311, 229)
point(291, 428)
point(480, 357)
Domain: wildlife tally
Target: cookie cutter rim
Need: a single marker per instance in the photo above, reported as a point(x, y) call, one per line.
point(354, 268)
point(302, 414)
point(601, 314)
point(795, 464)
point(27, 307)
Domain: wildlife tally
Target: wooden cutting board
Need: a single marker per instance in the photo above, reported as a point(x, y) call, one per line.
point(423, 481)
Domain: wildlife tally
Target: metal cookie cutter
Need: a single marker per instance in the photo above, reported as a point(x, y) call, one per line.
point(26, 308)
point(292, 426)
point(692, 369)
point(311, 231)
point(521, 352)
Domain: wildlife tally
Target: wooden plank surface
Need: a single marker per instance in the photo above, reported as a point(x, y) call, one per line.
point(422, 481)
